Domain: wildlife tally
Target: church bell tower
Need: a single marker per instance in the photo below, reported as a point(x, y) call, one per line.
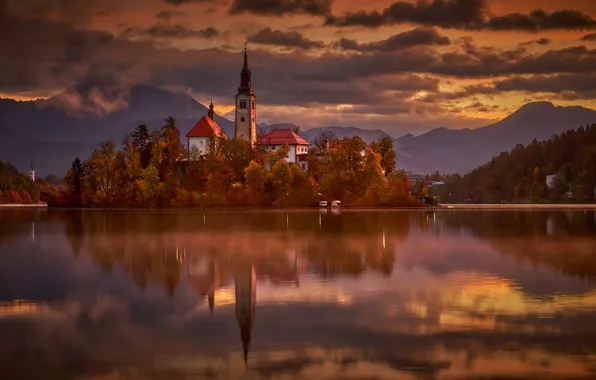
point(245, 115)
point(32, 172)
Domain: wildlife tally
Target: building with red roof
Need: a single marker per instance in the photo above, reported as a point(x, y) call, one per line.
point(298, 146)
point(205, 132)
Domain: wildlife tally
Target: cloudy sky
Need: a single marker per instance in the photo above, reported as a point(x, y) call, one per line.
point(403, 66)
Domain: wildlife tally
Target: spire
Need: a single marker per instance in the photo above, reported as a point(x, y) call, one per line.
point(245, 67)
point(245, 335)
point(211, 298)
point(211, 112)
point(32, 172)
point(245, 75)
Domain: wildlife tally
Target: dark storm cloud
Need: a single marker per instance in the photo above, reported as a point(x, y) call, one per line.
point(54, 55)
point(444, 13)
point(172, 31)
point(167, 15)
point(180, 2)
point(589, 37)
point(564, 86)
point(541, 20)
point(540, 41)
point(74, 11)
point(290, 39)
point(570, 86)
point(281, 7)
point(463, 14)
point(399, 41)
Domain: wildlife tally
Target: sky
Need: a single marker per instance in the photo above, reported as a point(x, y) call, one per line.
point(401, 66)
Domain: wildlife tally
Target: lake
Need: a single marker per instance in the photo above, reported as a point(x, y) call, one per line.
point(297, 295)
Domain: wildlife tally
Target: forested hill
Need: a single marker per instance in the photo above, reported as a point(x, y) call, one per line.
point(521, 174)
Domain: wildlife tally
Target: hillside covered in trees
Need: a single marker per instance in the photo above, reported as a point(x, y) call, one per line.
point(155, 170)
point(16, 187)
point(521, 175)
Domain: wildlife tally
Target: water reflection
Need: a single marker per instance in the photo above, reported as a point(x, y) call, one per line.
point(99, 295)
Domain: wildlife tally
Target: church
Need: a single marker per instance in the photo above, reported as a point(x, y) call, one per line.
point(207, 132)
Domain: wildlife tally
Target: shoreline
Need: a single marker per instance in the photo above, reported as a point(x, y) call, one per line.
point(23, 205)
point(440, 208)
point(519, 206)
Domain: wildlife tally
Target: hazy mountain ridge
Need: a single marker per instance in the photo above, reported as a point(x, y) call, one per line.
point(53, 132)
point(461, 151)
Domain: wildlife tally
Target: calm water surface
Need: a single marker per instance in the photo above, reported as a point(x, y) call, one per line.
point(298, 295)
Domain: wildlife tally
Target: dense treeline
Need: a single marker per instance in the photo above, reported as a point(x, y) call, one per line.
point(16, 187)
point(521, 174)
point(153, 169)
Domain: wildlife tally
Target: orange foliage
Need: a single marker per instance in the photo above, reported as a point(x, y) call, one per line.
point(233, 175)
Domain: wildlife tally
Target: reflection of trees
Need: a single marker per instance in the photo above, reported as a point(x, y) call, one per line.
point(157, 247)
point(565, 241)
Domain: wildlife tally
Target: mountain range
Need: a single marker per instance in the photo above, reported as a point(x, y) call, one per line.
point(52, 132)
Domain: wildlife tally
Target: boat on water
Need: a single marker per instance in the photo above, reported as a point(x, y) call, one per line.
point(335, 205)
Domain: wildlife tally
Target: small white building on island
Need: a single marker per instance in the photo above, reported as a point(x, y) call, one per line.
point(277, 138)
point(204, 133)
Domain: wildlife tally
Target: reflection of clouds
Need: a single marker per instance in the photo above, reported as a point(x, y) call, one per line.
point(450, 306)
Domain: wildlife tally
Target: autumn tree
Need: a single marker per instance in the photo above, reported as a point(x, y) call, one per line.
point(75, 181)
point(384, 147)
point(101, 167)
point(374, 178)
point(282, 179)
point(255, 178)
point(142, 144)
point(151, 184)
point(320, 142)
point(278, 155)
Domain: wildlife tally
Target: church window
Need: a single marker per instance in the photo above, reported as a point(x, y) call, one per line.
point(242, 104)
point(242, 119)
point(253, 103)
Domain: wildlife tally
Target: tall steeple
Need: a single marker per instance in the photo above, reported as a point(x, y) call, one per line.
point(245, 76)
point(32, 172)
point(245, 289)
point(245, 125)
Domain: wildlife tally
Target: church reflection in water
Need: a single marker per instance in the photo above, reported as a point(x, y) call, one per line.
point(206, 275)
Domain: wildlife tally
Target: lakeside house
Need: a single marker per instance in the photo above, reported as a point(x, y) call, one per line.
point(277, 138)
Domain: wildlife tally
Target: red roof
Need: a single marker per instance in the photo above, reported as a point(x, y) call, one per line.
point(282, 136)
point(206, 127)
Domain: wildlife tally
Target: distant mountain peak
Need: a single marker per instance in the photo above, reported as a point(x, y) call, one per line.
point(537, 105)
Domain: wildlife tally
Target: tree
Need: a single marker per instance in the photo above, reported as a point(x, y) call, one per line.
point(559, 189)
point(132, 157)
point(320, 142)
point(141, 142)
point(255, 177)
point(384, 147)
point(151, 183)
point(536, 191)
point(282, 179)
point(102, 169)
point(74, 181)
point(278, 155)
